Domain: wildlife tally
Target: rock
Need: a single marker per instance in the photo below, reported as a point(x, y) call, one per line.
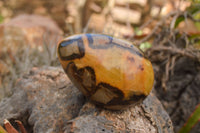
point(47, 8)
point(44, 98)
point(46, 101)
point(4, 70)
point(22, 38)
point(182, 94)
point(147, 117)
point(187, 89)
point(188, 102)
point(32, 30)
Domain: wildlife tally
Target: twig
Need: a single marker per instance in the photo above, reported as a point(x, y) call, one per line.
point(9, 127)
point(160, 23)
point(21, 126)
point(185, 52)
point(191, 17)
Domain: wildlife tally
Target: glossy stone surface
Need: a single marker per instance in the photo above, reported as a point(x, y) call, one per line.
point(109, 71)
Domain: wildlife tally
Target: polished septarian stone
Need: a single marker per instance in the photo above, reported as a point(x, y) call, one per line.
point(111, 72)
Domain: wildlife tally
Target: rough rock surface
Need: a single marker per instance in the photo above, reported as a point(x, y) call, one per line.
point(182, 94)
point(46, 101)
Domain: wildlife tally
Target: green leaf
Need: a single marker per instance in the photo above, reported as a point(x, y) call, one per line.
point(179, 20)
point(193, 119)
point(144, 46)
point(138, 31)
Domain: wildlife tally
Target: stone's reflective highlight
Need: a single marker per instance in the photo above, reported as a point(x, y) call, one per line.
point(111, 72)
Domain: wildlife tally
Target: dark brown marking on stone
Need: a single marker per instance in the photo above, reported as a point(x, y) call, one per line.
point(131, 59)
point(111, 88)
point(74, 55)
point(133, 99)
point(110, 44)
point(118, 93)
point(77, 75)
point(95, 45)
point(72, 73)
point(140, 67)
point(137, 97)
point(87, 78)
